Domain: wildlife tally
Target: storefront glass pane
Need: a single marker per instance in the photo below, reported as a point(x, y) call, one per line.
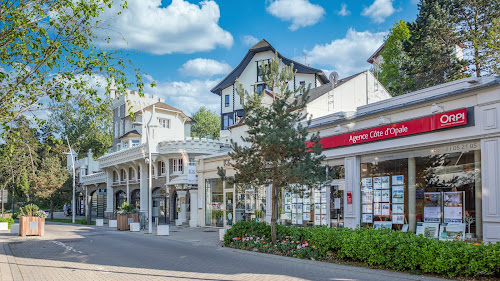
point(250, 203)
point(214, 213)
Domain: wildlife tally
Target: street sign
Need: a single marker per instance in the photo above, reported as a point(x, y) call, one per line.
point(4, 198)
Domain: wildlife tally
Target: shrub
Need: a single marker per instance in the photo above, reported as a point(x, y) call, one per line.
point(381, 248)
point(8, 220)
point(32, 210)
point(127, 208)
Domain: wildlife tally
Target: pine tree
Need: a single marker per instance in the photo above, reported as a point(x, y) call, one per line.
point(476, 22)
point(277, 151)
point(432, 46)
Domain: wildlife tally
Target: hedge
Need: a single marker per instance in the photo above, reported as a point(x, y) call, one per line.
point(384, 248)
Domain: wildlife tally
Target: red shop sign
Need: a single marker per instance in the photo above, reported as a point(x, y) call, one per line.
point(349, 197)
point(416, 126)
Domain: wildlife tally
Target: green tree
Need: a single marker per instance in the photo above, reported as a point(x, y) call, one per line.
point(49, 50)
point(207, 124)
point(50, 178)
point(279, 152)
point(494, 46)
point(476, 25)
point(87, 125)
point(432, 46)
point(395, 58)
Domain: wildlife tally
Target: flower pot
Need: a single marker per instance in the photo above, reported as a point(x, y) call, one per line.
point(123, 221)
point(31, 226)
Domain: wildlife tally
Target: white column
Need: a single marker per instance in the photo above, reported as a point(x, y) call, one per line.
point(193, 221)
point(412, 194)
point(181, 196)
point(352, 212)
point(269, 203)
point(490, 153)
point(128, 185)
point(109, 193)
point(144, 188)
point(478, 194)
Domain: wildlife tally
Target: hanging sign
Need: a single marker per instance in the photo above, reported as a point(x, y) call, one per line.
point(427, 124)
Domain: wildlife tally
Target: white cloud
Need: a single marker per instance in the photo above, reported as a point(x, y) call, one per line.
point(187, 96)
point(204, 68)
point(300, 12)
point(249, 40)
point(347, 55)
point(379, 10)
point(344, 12)
point(181, 27)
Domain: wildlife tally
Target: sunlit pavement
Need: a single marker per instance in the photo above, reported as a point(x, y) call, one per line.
point(70, 252)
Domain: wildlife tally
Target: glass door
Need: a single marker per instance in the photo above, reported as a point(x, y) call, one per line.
point(229, 213)
point(337, 204)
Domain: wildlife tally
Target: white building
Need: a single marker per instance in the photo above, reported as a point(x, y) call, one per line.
point(221, 205)
point(122, 174)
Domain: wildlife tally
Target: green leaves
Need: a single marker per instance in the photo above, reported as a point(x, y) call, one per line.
point(207, 124)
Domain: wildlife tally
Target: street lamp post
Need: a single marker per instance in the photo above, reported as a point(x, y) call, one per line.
point(73, 168)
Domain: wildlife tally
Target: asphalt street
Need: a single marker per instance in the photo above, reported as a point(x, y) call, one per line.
point(69, 252)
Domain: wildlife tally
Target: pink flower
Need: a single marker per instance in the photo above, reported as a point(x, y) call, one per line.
point(298, 246)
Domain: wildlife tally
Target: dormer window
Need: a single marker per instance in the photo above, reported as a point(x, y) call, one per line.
point(135, 142)
point(165, 123)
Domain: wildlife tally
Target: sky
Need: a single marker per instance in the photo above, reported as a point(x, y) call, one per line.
point(187, 47)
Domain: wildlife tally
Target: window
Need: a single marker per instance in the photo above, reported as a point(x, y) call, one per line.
point(261, 87)
point(177, 166)
point(228, 121)
point(165, 123)
point(125, 144)
point(259, 63)
point(124, 175)
point(161, 167)
point(303, 86)
point(115, 176)
point(131, 173)
point(226, 100)
point(135, 142)
point(138, 172)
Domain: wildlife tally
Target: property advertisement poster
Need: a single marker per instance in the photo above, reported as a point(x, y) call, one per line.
point(432, 207)
point(306, 216)
point(385, 182)
point(453, 207)
point(367, 209)
point(366, 182)
point(386, 209)
point(377, 196)
point(452, 231)
point(398, 208)
point(386, 195)
point(367, 218)
point(288, 198)
point(367, 196)
point(429, 230)
point(398, 194)
point(398, 180)
point(377, 209)
point(317, 219)
point(382, 224)
point(377, 183)
point(398, 219)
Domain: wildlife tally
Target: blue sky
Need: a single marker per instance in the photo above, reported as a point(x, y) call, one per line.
point(188, 46)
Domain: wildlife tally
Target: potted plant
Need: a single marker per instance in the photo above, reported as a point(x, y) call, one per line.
point(126, 214)
point(31, 220)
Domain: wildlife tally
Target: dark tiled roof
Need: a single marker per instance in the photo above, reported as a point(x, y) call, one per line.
point(263, 46)
point(132, 133)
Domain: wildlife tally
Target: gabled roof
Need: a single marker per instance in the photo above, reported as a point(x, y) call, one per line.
point(376, 54)
point(263, 46)
point(133, 133)
point(162, 105)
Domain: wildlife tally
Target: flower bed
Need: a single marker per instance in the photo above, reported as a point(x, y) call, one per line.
point(381, 248)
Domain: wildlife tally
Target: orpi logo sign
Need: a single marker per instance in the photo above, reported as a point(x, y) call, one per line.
point(452, 118)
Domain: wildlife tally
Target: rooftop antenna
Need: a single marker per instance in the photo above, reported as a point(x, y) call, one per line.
point(305, 57)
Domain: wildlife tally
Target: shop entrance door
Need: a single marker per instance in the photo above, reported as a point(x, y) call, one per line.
point(229, 212)
point(337, 190)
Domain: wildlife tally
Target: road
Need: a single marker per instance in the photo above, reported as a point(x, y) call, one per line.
point(70, 252)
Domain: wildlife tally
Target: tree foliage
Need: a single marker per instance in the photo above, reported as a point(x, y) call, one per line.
point(477, 22)
point(207, 124)
point(279, 152)
point(50, 51)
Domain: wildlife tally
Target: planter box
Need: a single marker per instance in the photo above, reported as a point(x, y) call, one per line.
point(112, 223)
point(31, 226)
point(4, 226)
point(123, 221)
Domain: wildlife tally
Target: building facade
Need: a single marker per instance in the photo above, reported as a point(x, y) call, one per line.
point(222, 204)
point(122, 175)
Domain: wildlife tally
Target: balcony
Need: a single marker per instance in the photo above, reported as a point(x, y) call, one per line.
point(123, 156)
point(96, 178)
point(190, 145)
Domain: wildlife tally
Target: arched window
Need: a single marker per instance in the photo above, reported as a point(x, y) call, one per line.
point(135, 198)
point(124, 175)
point(138, 172)
point(120, 198)
point(131, 173)
point(115, 176)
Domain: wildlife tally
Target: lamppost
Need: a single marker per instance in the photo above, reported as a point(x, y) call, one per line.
point(149, 160)
point(73, 168)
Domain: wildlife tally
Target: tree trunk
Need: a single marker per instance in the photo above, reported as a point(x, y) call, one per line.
point(274, 188)
point(477, 61)
point(51, 208)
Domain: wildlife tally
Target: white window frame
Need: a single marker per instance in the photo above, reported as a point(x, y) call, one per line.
point(164, 122)
point(178, 165)
point(162, 169)
point(136, 142)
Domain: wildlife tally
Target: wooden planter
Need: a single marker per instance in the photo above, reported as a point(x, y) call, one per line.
point(122, 221)
point(31, 226)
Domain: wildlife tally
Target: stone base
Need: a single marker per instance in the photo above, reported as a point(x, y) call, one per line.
point(193, 223)
point(135, 227)
point(112, 223)
point(163, 230)
point(99, 222)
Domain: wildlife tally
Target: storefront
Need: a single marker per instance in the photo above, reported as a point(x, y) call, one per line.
point(426, 162)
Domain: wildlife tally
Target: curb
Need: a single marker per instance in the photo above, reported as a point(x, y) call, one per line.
point(9, 268)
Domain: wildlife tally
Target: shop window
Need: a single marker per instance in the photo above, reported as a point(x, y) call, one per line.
point(250, 203)
point(214, 212)
point(441, 192)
